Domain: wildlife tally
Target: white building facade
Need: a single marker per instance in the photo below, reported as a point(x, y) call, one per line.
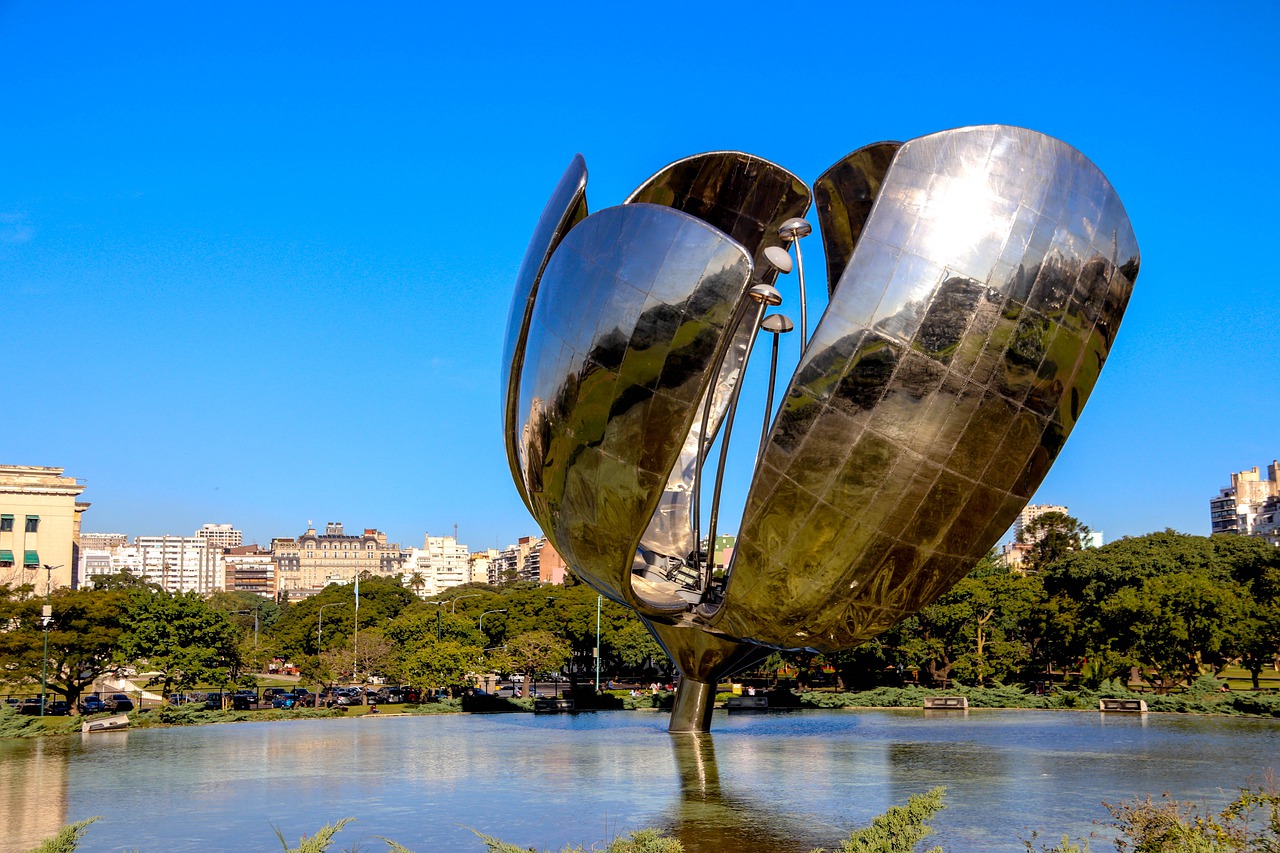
point(439, 564)
point(1247, 507)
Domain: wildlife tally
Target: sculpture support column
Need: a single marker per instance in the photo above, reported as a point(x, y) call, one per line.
point(695, 700)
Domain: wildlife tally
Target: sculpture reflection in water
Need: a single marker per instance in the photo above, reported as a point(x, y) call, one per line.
point(977, 278)
point(709, 817)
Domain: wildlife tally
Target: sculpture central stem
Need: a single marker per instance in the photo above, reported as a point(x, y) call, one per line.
point(695, 701)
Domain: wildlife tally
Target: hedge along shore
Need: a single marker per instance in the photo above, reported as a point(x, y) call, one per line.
point(1203, 697)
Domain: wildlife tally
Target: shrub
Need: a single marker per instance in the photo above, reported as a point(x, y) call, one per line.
point(1255, 703)
point(65, 840)
point(899, 829)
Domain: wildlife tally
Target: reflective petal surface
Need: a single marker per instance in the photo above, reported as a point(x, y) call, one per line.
point(960, 344)
point(633, 306)
point(566, 208)
point(844, 195)
point(748, 198)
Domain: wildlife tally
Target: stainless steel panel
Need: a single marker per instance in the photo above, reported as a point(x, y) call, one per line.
point(961, 342)
point(602, 425)
point(748, 198)
point(843, 196)
point(566, 208)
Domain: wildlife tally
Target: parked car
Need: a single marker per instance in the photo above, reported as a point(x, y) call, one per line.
point(117, 703)
point(30, 706)
point(91, 704)
point(270, 694)
point(411, 694)
point(58, 708)
point(286, 700)
point(389, 696)
point(305, 696)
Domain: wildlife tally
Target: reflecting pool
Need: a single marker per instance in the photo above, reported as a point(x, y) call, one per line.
point(783, 783)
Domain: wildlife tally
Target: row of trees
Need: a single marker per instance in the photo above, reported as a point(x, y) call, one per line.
point(187, 640)
point(182, 638)
point(1168, 605)
point(522, 627)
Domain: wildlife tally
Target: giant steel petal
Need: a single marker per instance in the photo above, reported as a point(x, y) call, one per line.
point(565, 209)
point(634, 305)
point(953, 361)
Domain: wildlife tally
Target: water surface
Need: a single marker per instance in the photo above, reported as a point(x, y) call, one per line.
point(782, 783)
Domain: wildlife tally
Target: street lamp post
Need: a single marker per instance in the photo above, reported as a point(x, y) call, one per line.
point(439, 618)
point(320, 624)
point(454, 601)
point(484, 614)
point(46, 617)
point(254, 611)
point(599, 598)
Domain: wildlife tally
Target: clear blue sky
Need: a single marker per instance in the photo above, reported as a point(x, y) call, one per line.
point(256, 260)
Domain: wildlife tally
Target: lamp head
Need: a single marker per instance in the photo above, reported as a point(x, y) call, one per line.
point(779, 258)
point(794, 229)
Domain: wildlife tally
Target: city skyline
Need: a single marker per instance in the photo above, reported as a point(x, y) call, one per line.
point(257, 268)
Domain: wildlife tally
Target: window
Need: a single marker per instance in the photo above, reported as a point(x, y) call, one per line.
point(33, 523)
point(31, 559)
point(6, 559)
point(6, 523)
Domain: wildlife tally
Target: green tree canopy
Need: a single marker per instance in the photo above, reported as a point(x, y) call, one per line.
point(180, 638)
point(84, 636)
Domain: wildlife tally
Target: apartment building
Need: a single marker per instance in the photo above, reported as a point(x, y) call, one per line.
point(313, 560)
point(439, 564)
point(220, 535)
point(39, 526)
point(176, 563)
point(1248, 506)
point(249, 568)
point(481, 564)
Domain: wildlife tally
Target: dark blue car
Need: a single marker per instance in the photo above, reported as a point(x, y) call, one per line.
point(91, 704)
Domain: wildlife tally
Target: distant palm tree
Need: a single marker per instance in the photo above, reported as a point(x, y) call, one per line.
point(416, 582)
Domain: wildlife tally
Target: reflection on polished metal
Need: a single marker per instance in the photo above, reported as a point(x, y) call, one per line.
point(764, 296)
point(844, 195)
point(977, 278)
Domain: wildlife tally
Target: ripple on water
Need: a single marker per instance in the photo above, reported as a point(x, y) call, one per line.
point(773, 783)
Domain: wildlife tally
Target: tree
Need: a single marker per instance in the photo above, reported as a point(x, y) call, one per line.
point(180, 638)
point(972, 630)
point(1178, 623)
point(417, 581)
point(1259, 637)
point(84, 636)
point(1105, 602)
point(1053, 535)
point(420, 623)
point(536, 653)
point(375, 654)
point(634, 645)
point(381, 600)
point(444, 664)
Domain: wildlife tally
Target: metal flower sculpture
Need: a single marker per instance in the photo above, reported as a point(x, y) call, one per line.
point(977, 278)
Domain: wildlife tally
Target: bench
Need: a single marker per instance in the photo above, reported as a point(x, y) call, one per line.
point(1126, 706)
point(946, 703)
point(552, 706)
